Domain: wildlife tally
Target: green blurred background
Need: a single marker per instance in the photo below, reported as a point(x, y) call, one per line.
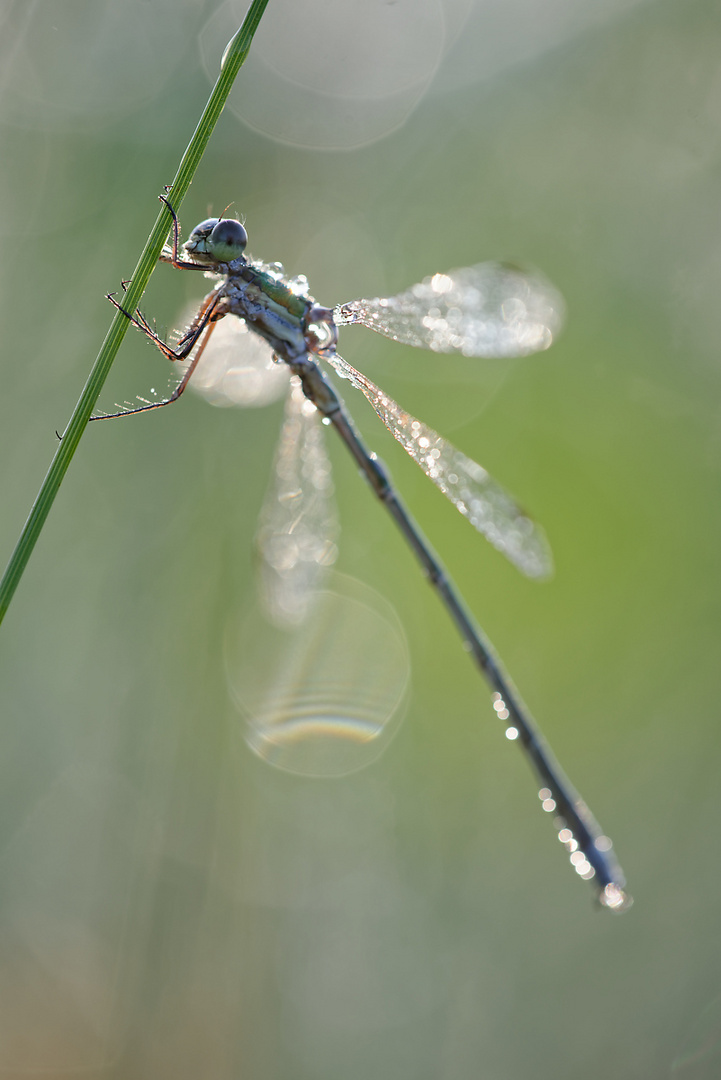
point(170, 904)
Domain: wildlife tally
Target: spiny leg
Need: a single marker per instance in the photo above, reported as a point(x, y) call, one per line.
point(207, 313)
point(206, 323)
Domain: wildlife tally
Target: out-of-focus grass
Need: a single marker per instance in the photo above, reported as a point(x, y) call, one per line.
point(168, 901)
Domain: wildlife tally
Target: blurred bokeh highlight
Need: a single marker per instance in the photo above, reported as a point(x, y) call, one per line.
point(172, 904)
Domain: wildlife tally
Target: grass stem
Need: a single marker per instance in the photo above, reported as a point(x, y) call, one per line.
point(233, 58)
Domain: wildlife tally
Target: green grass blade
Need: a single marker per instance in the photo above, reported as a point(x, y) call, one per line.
point(233, 58)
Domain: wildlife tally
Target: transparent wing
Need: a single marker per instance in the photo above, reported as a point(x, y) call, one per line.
point(489, 310)
point(298, 528)
point(237, 367)
point(298, 525)
point(488, 507)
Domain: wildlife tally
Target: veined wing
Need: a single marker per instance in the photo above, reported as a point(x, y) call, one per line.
point(488, 310)
point(298, 525)
point(487, 505)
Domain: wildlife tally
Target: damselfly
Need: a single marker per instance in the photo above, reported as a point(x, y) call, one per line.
point(487, 310)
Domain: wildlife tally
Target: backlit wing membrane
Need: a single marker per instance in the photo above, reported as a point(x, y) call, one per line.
point(477, 496)
point(489, 310)
point(298, 525)
point(237, 367)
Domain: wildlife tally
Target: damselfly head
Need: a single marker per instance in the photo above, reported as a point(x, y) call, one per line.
point(217, 240)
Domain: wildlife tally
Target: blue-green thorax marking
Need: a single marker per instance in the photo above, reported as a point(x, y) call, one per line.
point(269, 306)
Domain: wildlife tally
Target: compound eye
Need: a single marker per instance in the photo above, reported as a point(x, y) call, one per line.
point(201, 232)
point(197, 243)
point(227, 240)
